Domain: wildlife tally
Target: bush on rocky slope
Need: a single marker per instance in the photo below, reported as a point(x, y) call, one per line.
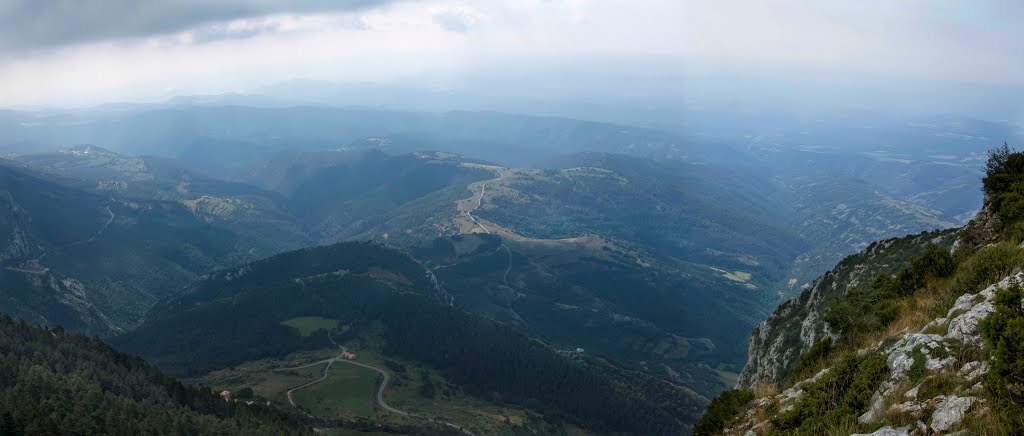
point(875, 307)
point(838, 396)
point(1004, 334)
point(1004, 187)
point(722, 409)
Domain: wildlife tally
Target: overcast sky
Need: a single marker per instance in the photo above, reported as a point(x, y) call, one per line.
point(75, 51)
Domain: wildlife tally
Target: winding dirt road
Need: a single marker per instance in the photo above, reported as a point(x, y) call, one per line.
point(42, 269)
point(327, 370)
point(380, 390)
point(469, 213)
point(97, 234)
point(479, 201)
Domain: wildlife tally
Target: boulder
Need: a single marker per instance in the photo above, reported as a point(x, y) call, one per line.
point(950, 412)
point(887, 431)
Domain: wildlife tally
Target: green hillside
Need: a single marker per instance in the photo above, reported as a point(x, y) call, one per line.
point(52, 382)
point(97, 263)
point(385, 297)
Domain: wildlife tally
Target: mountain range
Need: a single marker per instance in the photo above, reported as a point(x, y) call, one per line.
point(629, 262)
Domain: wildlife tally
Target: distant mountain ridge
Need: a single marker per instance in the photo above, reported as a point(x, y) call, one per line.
point(702, 236)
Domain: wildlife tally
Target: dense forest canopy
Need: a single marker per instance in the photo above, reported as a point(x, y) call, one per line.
point(53, 382)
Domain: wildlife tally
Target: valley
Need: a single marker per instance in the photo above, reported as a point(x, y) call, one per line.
point(386, 312)
point(522, 218)
point(618, 257)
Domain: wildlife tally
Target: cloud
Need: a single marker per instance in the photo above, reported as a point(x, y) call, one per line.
point(27, 25)
point(457, 20)
point(115, 49)
point(271, 25)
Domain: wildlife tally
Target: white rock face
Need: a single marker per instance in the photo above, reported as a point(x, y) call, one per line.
point(950, 412)
point(899, 354)
point(912, 393)
point(874, 411)
point(887, 431)
point(963, 319)
point(974, 370)
point(959, 326)
point(975, 308)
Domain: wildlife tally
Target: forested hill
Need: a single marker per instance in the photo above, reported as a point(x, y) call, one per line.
point(380, 296)
point(57, 383)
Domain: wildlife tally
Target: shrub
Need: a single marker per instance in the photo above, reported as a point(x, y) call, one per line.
point(871, 370)
point(836, 398)
point(999, 173)
point(722, 409)
point(918, 369)
point(1004, 184)
point(1015, 232)
point(1011, 207)
point(1004, 333)
point(938, 384)
point(988, 265)
point(812, 358)
point(876, 306)
point(934, 262)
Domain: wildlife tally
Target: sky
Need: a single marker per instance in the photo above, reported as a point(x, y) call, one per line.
point(64, 52)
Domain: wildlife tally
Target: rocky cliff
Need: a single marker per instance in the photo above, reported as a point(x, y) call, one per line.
point(795, 325)
point(912, 336)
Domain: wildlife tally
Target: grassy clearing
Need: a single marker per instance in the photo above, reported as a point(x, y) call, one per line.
point(347, 392)
point(307, 325)
point(736, 276)
point(261, 377)
point(449, 402)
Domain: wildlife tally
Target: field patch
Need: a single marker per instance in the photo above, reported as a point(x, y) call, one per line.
point(346, 393)
point(736, 276)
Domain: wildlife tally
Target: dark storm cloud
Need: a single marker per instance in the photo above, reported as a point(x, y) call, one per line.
point(32, 24)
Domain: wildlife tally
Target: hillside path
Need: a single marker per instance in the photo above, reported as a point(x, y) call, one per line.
point(479, 201)
point(379, 399)
point(469, 213)
point(42, 269)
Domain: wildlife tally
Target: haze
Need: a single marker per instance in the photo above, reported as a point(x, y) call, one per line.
point(853, 53)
